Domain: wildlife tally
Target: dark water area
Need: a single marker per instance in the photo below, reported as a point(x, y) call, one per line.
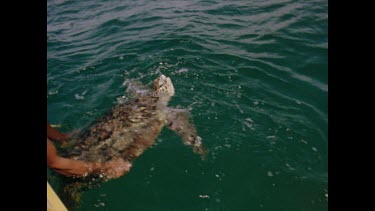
point(254, 74)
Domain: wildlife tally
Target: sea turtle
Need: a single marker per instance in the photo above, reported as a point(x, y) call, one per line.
point(131, 127)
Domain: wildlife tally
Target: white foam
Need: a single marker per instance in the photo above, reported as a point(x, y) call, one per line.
point(238, 107)
point(53, 92)
point(303, 141)
point(228, 145)
point(182, 70)
point(249, 119)
point(250, 126)
point(157, 71)
point(79, 97)
point(57, 125)
point(269, 173)
point(289, 166)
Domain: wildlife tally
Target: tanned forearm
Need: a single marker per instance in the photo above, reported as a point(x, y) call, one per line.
point(69, 167)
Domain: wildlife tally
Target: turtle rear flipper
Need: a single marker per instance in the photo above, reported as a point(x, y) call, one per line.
point(178, 121)
point(72, 189)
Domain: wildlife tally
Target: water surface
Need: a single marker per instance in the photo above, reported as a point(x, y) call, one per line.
point(254, 74)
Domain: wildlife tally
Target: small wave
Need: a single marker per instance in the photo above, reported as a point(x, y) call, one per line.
point(79, 97)
point(182, 70)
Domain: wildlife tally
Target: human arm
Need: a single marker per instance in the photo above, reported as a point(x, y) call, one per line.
point(70, 167)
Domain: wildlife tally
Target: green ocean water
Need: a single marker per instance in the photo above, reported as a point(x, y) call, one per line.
point(253, 72)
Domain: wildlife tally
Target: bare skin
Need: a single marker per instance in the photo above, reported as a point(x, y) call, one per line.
point(69, 167)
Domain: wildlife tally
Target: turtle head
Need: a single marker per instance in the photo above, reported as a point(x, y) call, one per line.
point(163, 86)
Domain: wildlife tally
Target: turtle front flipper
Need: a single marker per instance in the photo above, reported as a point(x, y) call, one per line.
point(178, 121)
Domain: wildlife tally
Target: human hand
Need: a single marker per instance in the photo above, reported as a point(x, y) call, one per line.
point(68, 144)
point(72, 134)
point(115, 168)
point(69, 139)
